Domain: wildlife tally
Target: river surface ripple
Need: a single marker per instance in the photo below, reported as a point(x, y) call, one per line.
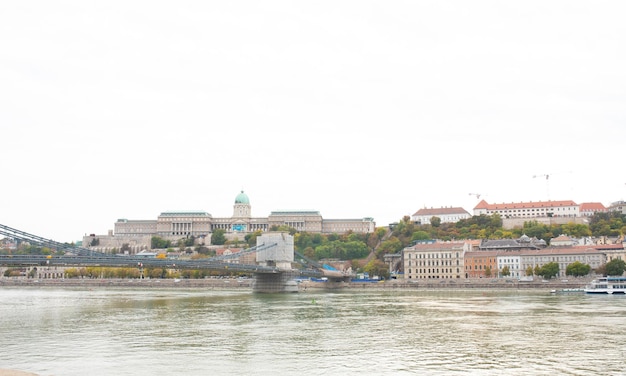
point(198, 332)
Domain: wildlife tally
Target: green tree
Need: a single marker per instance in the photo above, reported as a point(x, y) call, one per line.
point(309, 252)
point(218, 237)
point(506, 271)
point(615, 267)
point(529, 271)
point(190, 241)
point(488, 272)
point(380, 232)
point(575, 230)
point(577, 269)
point(157, 242)
point(435, 221)
point(390, 246)
point(377, 268)
point(607, 224)
point(251, 238)
point(341, 250)
point(156, 272)
point(71, 273)
point(536, 230)
point(476, 227)
point(420, 235)
point(549, 270)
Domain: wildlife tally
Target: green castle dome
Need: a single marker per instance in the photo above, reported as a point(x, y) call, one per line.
point(242, 198)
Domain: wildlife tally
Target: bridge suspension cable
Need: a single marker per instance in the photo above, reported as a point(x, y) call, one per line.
point(24, 236)
point(257, 248)
point(75, 255)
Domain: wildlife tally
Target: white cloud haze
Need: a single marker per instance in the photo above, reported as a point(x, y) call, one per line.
point(353, 108)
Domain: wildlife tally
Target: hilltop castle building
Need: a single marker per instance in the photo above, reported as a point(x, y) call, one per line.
point(566, 208)
point(515, 213)
point(136, 235)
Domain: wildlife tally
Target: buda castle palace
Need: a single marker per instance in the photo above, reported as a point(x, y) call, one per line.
point(136, 235)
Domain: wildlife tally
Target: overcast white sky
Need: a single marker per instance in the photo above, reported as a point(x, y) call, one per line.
point(126, 109)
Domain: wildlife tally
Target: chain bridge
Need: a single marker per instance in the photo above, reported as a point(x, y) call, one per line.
point(273, 270)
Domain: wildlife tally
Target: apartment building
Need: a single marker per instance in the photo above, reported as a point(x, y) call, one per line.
point(439, 260)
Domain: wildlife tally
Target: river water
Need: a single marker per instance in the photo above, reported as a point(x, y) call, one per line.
point(206, 332)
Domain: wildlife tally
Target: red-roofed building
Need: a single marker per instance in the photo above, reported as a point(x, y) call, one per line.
point(588, 209)
point(566, 208)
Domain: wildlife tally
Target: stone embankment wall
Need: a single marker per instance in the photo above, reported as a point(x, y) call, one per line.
point(454, 284)
point(247, 283)
point(208, 283)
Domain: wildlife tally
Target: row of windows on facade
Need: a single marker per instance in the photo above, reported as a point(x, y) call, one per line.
point(562, 265)
point(530, 215)
point(538, 259)
point(428, 271)
point(432, 255)
point(509, 261)
point(445, 218)
point(531, 210)
point(434, 263)
point(510, 265)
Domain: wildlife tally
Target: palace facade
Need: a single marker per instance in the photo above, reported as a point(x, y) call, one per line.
point(136, 235)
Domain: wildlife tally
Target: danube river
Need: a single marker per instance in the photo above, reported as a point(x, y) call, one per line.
point(121, 331)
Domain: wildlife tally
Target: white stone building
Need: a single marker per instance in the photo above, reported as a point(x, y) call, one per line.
point(447, 215)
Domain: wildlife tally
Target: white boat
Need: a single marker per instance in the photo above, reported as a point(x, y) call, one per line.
point(565, 291)
point(607, 285)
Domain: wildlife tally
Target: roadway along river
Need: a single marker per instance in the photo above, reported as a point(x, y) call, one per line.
point(108, 331)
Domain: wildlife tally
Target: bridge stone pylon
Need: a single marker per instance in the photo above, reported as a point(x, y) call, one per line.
point(280, 256)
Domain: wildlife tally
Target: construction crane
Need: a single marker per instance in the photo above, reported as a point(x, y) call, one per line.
point(547, 178)
point(475, 194)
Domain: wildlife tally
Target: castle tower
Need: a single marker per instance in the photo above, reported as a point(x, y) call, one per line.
point(242, 208)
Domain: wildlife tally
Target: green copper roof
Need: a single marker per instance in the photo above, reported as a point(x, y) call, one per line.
point(183, 213)
point(242, 198)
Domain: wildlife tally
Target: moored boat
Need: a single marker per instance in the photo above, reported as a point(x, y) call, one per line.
point(607, 285)
point(564, 291)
